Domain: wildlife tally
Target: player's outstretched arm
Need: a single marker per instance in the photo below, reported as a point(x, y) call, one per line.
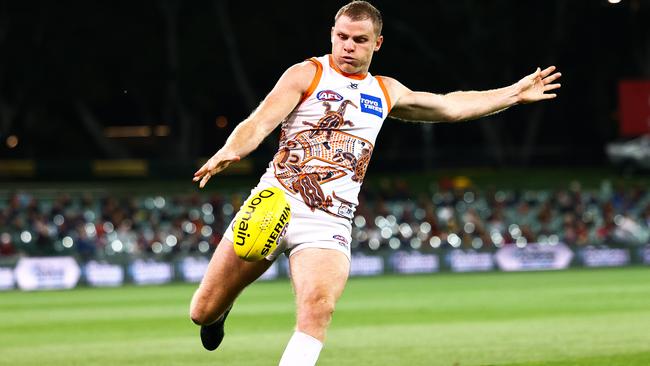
point(467, 105)
point(247, 136)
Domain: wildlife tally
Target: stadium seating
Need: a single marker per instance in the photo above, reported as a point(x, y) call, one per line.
point(99, 225)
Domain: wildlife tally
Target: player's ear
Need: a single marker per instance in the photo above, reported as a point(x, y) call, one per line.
point(332, 35)
point(378, 43)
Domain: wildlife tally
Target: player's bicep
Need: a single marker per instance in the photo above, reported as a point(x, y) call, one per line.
point(421, 106)
point(416, 106)
point(284, 97)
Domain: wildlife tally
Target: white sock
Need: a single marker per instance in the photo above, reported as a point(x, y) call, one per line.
point(302, 350)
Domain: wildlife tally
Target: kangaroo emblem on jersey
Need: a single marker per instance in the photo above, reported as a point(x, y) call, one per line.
point(331, 120)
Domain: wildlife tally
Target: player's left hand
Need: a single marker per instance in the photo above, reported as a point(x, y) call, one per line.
point(535, 86)
point(214, 165)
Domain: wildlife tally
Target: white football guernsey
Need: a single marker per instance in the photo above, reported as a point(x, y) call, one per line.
point(325, 148)
point(327, 141)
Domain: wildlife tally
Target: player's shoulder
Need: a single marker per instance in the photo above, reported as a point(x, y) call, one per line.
point(306, 68)
point(395, 89)
point(389, 82)
point(301, 74)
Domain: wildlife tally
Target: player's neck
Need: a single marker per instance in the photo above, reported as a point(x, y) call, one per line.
point(359, 75)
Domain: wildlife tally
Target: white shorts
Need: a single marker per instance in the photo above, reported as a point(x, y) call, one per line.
point(307, 228)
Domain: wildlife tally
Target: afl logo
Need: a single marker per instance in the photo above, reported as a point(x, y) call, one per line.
point(329, 96)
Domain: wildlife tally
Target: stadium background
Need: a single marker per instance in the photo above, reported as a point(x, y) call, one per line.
point(106, 110)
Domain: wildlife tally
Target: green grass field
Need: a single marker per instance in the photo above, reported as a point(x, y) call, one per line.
point(577, 317)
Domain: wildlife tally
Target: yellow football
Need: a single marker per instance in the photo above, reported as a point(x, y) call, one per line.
point(260, 224)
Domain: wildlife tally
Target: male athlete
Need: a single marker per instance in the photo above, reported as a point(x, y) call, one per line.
point(331, 110)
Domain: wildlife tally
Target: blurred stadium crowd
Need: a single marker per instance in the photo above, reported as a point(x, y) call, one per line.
point(455, 215)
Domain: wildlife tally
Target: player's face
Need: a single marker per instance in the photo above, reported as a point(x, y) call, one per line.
point(353, 43)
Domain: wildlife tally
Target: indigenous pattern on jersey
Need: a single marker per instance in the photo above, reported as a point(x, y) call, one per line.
point(327, 141)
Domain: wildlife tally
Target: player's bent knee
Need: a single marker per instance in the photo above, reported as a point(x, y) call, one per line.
point(203, 315)
point(317, 310)
point(198, 316)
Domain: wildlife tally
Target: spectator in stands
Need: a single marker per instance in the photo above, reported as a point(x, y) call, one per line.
point(582, 233)
point(645, 217)
point(7, 248)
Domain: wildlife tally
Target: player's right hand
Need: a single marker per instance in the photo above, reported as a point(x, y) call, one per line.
point(214, 165)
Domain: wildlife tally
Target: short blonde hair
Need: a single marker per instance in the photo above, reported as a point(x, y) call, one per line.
point(362, 10)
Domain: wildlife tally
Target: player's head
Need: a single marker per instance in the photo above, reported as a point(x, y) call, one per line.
point(355, 36)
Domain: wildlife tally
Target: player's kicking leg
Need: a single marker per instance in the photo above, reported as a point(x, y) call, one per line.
point(319, 277)
point(227, 275)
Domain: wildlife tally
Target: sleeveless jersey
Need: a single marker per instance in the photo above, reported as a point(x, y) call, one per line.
point(327, 140)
